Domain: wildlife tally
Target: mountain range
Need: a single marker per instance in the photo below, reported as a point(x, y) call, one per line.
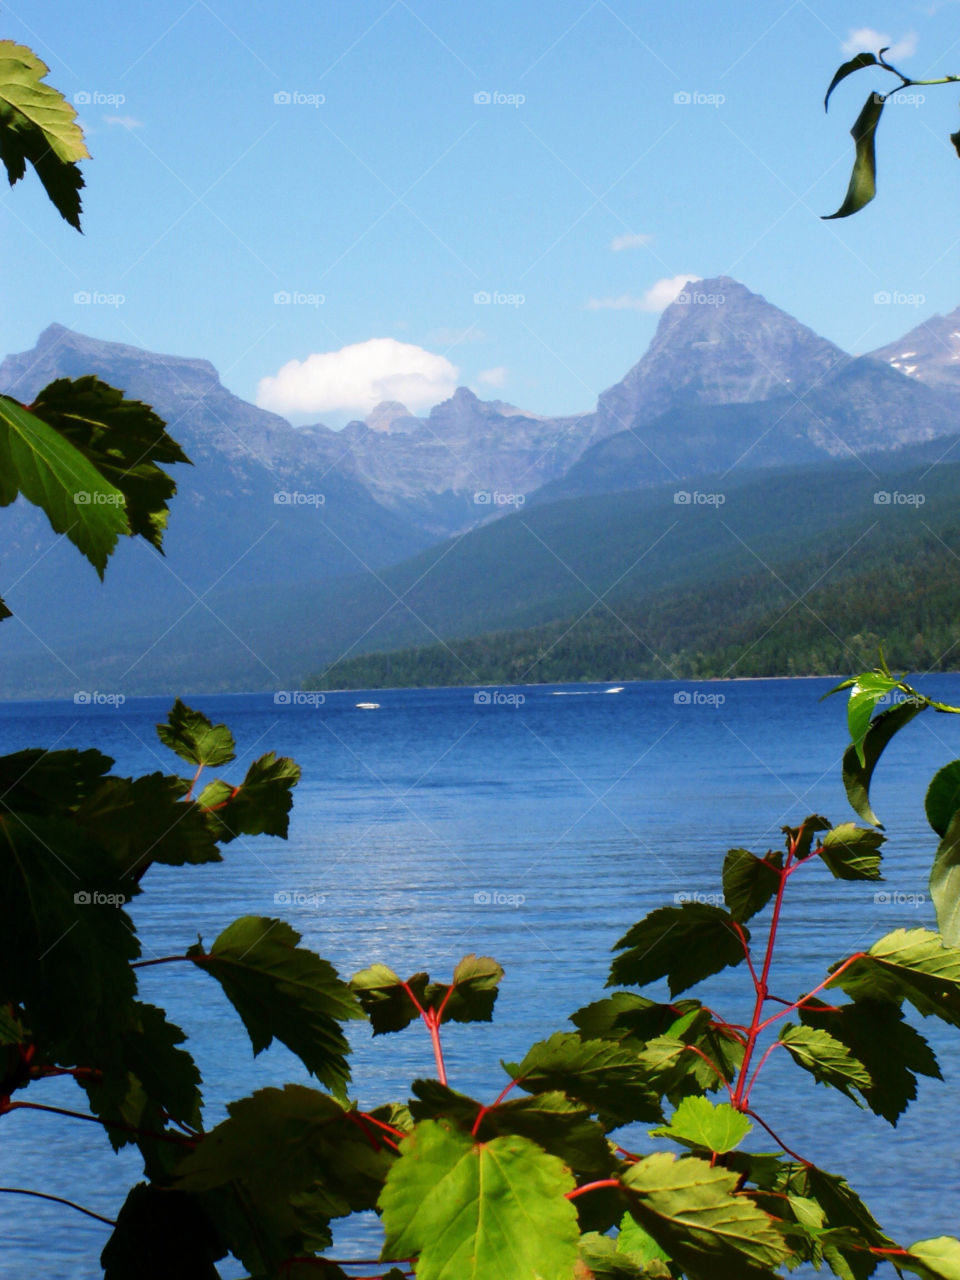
point(288, 547)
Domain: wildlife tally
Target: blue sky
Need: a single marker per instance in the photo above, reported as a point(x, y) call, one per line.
point(383, 197)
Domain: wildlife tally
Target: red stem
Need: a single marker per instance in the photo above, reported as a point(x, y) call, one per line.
point(761, 987)
point(42, 1195)
point(798, 1004)
point(107, 1124)
point(592, 1186)
point(778, 1140)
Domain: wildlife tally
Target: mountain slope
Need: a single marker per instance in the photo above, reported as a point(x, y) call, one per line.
point(930, 352)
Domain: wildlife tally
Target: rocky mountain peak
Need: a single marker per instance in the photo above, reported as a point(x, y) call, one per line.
point(718, 343)
point(930, 352)
point(391, 416)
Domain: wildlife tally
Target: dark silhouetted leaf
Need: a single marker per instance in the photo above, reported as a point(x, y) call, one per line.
point(892, 1052)
point(284, 991)
point(858, 767)
point(124, 439)
point(195, 738)
point(862, 189)
point(160, 1234)
point(847, 69)
point(597, 1072)
point(749, 882)
point(259, 806)
point(683, 944)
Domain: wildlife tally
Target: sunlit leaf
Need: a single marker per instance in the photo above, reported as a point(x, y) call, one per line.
point(851, 852)
point(945, 883)
point(38, 125)
point(699, 1123)
point(473, 1210)
point(195, 738)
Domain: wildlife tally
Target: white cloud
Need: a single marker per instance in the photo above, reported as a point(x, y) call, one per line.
point(869, 40)
point(657, 298)
point(493, 377)
point(630, 240)
point(128, 122)
point(359, 376)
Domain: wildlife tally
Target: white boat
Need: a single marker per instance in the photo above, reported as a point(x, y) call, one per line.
point(617, 688)
point(368, 706)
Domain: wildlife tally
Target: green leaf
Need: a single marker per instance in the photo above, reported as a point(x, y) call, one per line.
point(937, 1259)
point(907, 965)
point(161, 1233)
point(279, 1168)
point(801, 838)
point(145, 820)
point(847, 69)
point(852, 1228)
point(892, 1052)
point(284, 991)
point(472, 994)
point(384, 997)
point(863, 179)
point(479, 1210)
point(600, 1259)
point(38, 462)
point(858, 766)
point(195, 738)
point(945, 883)
point(597, 1072)
point(45, 782)
point(684, 944)
point(143, 1073)
point(66, 944)
point(559, 1125)
point(866, 692)
point(38, 124)
point(943, 797)
point(749, 882)
point(628, 1015)
point(259, 806)
point(698, 1123)
point(633, 1240)
point(850, 852)
point(691, 1211)
point(827, 1059)
point(124, 439)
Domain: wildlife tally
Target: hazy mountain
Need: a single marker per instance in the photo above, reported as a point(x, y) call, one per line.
point(282, 539)
point(930, 352)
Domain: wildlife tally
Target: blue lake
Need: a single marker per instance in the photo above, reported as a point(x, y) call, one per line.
point(536, 832)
